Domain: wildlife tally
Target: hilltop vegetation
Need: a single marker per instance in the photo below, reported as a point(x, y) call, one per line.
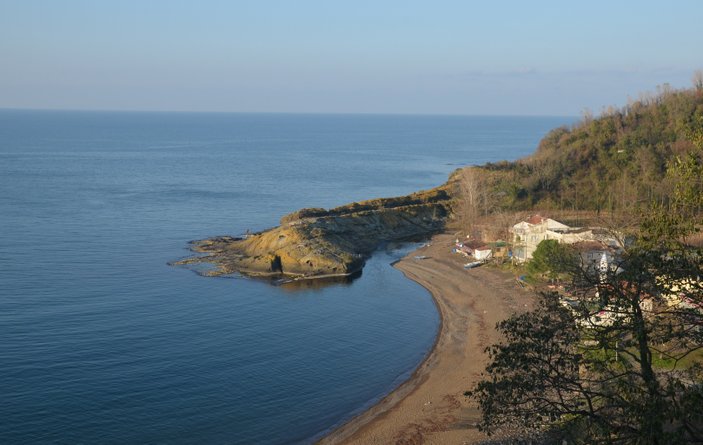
point(615, 162)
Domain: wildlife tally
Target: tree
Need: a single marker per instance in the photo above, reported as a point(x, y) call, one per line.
point(473, 196)
point(534, 372)
point(698, 80)
point(551, 259)
point(619, 361)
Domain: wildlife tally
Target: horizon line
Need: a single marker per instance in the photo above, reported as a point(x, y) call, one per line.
point(317, 113)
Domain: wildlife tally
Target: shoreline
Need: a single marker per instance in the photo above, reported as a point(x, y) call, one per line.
point(430, 406)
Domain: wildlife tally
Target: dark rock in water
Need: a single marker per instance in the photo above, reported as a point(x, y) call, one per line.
point(316, 243)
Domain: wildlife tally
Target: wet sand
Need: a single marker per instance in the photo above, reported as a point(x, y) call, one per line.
point(430, 407)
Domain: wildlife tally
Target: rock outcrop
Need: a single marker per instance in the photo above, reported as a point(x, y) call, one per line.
point(316, 243)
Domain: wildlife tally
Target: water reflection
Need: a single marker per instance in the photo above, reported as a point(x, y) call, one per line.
point(304, 284)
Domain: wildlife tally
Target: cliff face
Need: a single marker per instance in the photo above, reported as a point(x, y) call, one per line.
point(314, 243)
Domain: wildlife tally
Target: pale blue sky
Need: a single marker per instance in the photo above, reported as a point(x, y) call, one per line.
point(426, 57)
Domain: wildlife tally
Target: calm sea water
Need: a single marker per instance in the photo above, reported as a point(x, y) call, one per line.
point(102, 342)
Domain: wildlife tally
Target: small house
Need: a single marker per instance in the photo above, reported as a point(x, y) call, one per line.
point(483, 253)
point(475, 249)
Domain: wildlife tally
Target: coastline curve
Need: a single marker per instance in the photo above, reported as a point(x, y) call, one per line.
point(430, 407)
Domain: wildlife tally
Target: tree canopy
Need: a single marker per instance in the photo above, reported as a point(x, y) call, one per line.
point(552, 259)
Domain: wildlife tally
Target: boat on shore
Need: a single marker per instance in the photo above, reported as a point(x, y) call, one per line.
point(472, 264)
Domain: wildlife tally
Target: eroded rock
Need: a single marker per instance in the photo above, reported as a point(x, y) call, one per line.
point(313, 243)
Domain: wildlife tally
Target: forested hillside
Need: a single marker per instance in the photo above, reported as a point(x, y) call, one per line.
point(614, 162)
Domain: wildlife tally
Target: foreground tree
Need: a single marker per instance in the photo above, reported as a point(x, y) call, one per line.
point(618, 361)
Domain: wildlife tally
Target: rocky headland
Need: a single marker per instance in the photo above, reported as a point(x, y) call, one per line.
point(317, 243)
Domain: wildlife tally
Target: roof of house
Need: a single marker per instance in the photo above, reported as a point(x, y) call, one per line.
point(474, 244)
point(585, 246)
point(536, 219)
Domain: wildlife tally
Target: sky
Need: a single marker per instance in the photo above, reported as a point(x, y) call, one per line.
point(342, 56)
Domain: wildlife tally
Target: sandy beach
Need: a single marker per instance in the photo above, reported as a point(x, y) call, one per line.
point(430, 407)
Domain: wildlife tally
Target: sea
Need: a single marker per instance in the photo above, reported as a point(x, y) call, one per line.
point(102, 341)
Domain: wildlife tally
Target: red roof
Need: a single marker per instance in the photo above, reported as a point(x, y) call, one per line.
point(535, 219)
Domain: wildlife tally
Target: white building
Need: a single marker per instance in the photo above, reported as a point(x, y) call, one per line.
point(483, 253)
point(528, 234)
point(592, 243)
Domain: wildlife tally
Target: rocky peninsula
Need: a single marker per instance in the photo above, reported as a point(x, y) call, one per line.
point(318, 243)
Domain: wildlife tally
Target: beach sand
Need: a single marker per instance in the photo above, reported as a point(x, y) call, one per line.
point(430, 408)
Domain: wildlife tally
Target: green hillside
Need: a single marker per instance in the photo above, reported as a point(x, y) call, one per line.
point(614, 162)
